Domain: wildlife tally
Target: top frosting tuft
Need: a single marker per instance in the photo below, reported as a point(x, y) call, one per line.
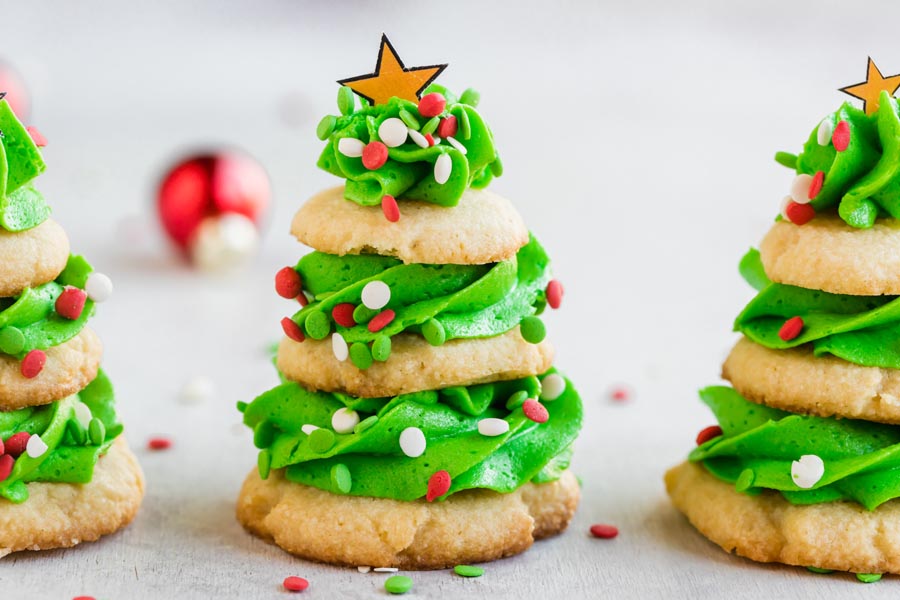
point(21, 205)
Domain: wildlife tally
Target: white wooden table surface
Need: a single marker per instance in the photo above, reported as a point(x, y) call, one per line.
point(637, 140)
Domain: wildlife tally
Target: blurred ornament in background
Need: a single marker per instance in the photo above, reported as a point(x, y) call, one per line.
point(13, 85)
point(212, 206)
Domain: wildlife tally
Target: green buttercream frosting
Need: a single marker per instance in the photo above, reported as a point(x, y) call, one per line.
point(864, 330)
point(72, 450)
point(863, 181)
point(759, 445)
point(21, 206)
point(370, 462)
point(408, 173)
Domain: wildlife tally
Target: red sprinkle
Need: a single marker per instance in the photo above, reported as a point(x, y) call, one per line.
point(374, 155)
point(295, 584)
point(288, 283)
point(606, 532)
point(292, 330)
point(33, 363)
point(2, 448)
point(302, 299)
point(343, 314)
point(381, 320)
point(447, 127)
point(799, 214)
point(83, 598)
point(159, 443)
point(841, 136)
point(429, 138)
point(554, 293)
point(6, 466)
point(791, 329)
point(816, 186)
point(39, 140)
point(431, 105)
point(16, 444)
point(708, 433)
point(70, 303)
point(438, 485)
point(390, 208)
point(620, 394)
point(535, 411)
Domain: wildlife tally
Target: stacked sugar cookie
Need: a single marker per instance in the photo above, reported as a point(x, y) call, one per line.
point(420, 422)
point(66, 473)
point(803, 466)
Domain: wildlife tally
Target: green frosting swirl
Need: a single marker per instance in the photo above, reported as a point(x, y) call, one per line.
point(864, 330)
point(863, 181)
point(408, 173)
point(73, 450)
point(30, 321)
point(21, 206)
point(371, 460)
point(759, 445)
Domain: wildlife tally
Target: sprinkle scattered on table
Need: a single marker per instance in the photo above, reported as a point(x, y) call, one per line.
point(295, 584)
point(605, 532)
point(398, 584)
point(159, 443)
point(468, 571)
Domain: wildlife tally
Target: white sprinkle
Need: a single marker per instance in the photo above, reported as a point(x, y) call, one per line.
point(457, 144)
point(385, 569)
point(339, 347)
point(418, 138)
point(800, 188)
point(308, 428)
point(98, 287)
point(351, 147)
point(784, 204)
point(412, 442)
point(197, 389)
point(825, 131)
point(363, 569)
point(376, 295)
point(344, 420)
point(393, 132)
point(492, 427)
point(807, 471)
point(437, 140)
point(552, 386)
point(83, 414)
point(35, 446)
point(443, 166)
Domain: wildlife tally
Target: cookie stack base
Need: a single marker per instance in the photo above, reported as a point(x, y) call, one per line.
point(842, 536)
point(471, 526)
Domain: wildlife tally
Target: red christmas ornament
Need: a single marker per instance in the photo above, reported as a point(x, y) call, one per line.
point(17, 94)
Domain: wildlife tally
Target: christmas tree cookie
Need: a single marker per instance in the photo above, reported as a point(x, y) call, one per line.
point(420, 422)
point(803, 467)
point(66, 473)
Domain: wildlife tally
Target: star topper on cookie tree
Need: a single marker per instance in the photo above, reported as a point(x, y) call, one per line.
point(869, 90)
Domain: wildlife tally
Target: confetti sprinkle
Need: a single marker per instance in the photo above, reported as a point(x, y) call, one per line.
point(807, 471)
point(12, 340)
point(308, 428)
point(554, 293)
point(343, 314)
point(376, 295)
point(36, 447)
point(326, 127)
point(351, 147)
point(398, 584)
point(419, 139)
point(533, 330)
point(390, 208)
point(321, 440)
point(159, 443)
point(824, 131)
point(516, 400)
point(344, 420)
point(552, 386)
point(620, 394)
point(386, 569)
point(468, 571)
point(412, 442)
point(17, 443)
point(197, 390)
point(791, 329)
point(799, 214)
point(868, 577)
point(39, 140)
point(434, 333)
point(374, 155)
point(361, 356)
point(492, 427)
point(70, 303)
point(800, 188)
point(443, 167)
point(535, 411)
point(339, 347)
point(99, 287)
point(292, 330)
point(363, 569)
point(431, 126)
point(83, 414)
point(381, 320)
point(438, 485)
point(708, 433)
point(815, 186)
point(605, 532)
point(381, 348)
point(288, 283)
point(432, 141)
point(841, 136)
point(393, 132)
point(447, 127)
point(96, 432)
point(341, 478)
point(456, 144)
point(431, 105)
point(295, 584)
point(33, 364)
point(6, 466)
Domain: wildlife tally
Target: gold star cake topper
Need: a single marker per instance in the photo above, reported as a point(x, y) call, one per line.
point(391, 78)
point(869, 90)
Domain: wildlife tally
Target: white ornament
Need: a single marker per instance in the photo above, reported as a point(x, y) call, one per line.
point(35, 446)
point(393, 132)
point(443, 166)
point(412, 442)
point(198, 389)
point(492, 427)
point(552, 386)
point(457, 144)
point(344, 420)
point(420, 140)
point(351, 147)
point(807, 471)
point(339, 347)
point(224, 242)
point(825, 131)
point(98, 287)
point(800, 188)
point(308, 428)
point(83, 414)
point(376, 295)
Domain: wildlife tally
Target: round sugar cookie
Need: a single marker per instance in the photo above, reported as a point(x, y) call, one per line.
point(842, 536)
point(414, 364)
point(827, 254)
point(468, 527)
point(483, 228)
point(69, 368)
point(796, 380)
point(31, 258)
point(62, 515)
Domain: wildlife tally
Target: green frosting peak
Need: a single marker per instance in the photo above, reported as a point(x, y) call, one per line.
point(409, 172)
point(21, 205)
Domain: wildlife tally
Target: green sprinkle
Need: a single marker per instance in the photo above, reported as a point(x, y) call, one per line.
point(431, 125)
point(398, 584)
point(264, 464)
point(241, 406)
point(263, 434)
point(346, 100)
point(362, 314)
point(580, 481)
point(468, 571)
point(381, 347)
point(533, 330)
point(365, 424)
point(786, 159)
point(820, 571)
point(516, 400)
point(321, 440)
point(434, 332)
point(465, 128)
point(497, 167)
point(12, 340)
point(78, 433)
point(326, 127)
point(341, 479)
point(745, 480)
point(361, 355)
point(409, 119)
point(97, 432)
point(470, 97)
point(317, 325)
point(858, 212)
point(868, 577)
